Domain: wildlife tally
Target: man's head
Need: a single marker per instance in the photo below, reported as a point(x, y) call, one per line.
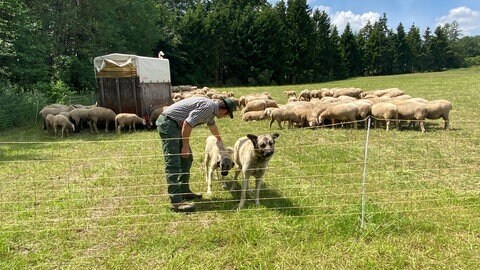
point(228, 106)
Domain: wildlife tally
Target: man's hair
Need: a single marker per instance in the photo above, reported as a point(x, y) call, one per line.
point(222, 105)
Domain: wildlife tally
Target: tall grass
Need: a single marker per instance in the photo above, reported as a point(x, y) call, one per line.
point(99, 200)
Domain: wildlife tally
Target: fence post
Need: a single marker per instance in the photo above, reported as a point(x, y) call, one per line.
point(36, 113)
point(362, 226)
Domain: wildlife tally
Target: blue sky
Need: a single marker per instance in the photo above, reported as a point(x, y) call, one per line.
point(422, 13)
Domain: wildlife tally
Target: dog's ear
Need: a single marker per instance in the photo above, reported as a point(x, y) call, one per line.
point(254, 140)
point(218, 163)
point(275, 136)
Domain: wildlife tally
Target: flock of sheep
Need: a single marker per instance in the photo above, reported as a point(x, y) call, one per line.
point(346, 106)
point(309, 108)
point(61, 118)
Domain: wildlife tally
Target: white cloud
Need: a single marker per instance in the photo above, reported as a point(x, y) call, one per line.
point(468, 20)
point(357, 21)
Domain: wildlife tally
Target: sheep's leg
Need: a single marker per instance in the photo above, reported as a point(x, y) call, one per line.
point(422, 125)
point(387, 123)
point(94, 123)
point(106, 126)
point(447, 122)
point(90, 125)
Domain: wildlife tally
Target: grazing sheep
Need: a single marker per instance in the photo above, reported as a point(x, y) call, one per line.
point(304, 95)
point(340, 112)
point(411, 110)
point(80, 106)
point(128, 119)
point(317, 110)
point(292, 99)
point(439, 109)
point(254, 115)
point(96, 114)
point(217, 158)
point(53, 109)
point(394, 92)
point(155, 114)
point(49, 121)
point(79, 116)
point(351, 92)
point(62, 121)
point(290, 93)
point(284, 114)
point(280, 115)
point(385, 111)
point(255, 105)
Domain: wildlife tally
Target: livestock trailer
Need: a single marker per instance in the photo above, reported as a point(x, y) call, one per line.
point(132, 84)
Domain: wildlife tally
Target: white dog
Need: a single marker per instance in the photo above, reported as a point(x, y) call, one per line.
point(217, 157)
point(251, 154)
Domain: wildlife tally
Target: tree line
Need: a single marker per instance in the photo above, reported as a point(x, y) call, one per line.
point(49, 45)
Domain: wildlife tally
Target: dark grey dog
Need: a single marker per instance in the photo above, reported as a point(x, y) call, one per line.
point(251, 155)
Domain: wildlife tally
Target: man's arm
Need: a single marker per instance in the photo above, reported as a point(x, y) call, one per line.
point(186, 131)
point(215, 132)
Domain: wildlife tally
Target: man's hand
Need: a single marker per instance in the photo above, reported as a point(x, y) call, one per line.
point(185, 151)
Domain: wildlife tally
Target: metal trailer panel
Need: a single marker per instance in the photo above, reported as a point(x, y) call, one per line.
point(128, 95)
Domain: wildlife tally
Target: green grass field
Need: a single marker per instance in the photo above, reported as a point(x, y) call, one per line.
point(98, 201)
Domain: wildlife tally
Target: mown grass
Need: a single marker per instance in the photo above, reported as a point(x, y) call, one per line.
point(98, 200)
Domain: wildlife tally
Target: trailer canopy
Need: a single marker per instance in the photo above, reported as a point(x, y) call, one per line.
point(147, 69)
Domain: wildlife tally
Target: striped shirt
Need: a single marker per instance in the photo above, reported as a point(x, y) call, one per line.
point(194, 110)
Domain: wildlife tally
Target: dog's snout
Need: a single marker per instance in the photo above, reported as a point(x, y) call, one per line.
point(224, 173)
point(268, 153)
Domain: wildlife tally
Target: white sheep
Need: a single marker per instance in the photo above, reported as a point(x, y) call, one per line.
point(351, 92)
point(411, 110)
point(290, 93)
point(304, 95)
point(439, 109)
point(62, 121)
point(317, 110)
point(254, 105)
point(79, 116)
point(280, 115)
point(53, 109)
point(49, 121)
point(155, 114)
point(340, 112)
point(96, 114)
point(128, 119)
point(254, 115)
point(385, 111)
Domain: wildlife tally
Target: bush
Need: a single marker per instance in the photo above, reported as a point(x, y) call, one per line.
point(18, 107)
point(55, 92)
point(472, 61)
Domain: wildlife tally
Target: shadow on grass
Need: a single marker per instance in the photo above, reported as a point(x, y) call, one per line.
point(270, 199)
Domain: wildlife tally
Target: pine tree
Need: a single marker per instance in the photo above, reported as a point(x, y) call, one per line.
point(403, 54)
point(427, 54)
point(351, 52)
point(300, 41)
point(322, 44)
point(414, 42)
